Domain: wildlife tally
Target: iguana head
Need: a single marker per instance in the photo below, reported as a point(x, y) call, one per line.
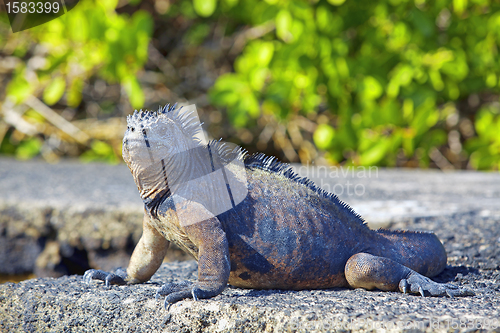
point(153, 140)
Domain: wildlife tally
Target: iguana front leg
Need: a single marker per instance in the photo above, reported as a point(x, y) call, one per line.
point(213, 264)
point(144, 262)
point(367, 271)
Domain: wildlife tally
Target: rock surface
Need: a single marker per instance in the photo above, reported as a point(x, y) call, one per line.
point(64, 218)
point(67, 304)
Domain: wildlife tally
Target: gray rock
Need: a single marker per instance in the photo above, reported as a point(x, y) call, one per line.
point(62, 219)
point(67, 304)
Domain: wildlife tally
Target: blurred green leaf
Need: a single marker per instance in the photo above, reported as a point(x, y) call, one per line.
point(134, 91)
point(372, 89)
point(18, 89)
point(323, 136)
point(100, 151)
point(204, 8)
point(109, 4)
point(284, 25)
point(74, 94)
point(375, 153)
point(336, 2)
point(28, 149)
point(459, 6)
point(197, 34)
point(54, 90)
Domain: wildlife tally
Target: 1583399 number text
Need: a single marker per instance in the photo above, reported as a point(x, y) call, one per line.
point(32, 7)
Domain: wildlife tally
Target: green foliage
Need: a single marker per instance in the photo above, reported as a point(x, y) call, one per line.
point(323, 136)
point(100, 151)
point(389, 82)
point(93, 39)
point(54, 90)
point(485, 148)
point(19, 88)
point(382, 69)
point(204, 8)
point(28, 148)
point(63, 55)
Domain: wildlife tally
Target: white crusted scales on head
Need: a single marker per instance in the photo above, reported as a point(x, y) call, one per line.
point(184, 116)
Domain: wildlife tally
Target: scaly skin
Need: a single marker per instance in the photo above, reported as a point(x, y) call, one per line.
point(283, 234)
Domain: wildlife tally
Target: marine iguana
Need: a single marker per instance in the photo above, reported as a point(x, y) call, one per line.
point(250, 221)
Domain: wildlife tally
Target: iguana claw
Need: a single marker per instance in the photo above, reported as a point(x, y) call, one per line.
point(109, 278)
point(419, 284)
point(403, 286)
point(175, 292)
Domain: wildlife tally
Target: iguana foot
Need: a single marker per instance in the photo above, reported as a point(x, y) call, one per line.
point(367, 271)
point(419, 284)
point(175, 292)
point(109, 278)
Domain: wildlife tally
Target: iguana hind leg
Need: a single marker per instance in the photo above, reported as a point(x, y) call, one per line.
point(367, 271)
